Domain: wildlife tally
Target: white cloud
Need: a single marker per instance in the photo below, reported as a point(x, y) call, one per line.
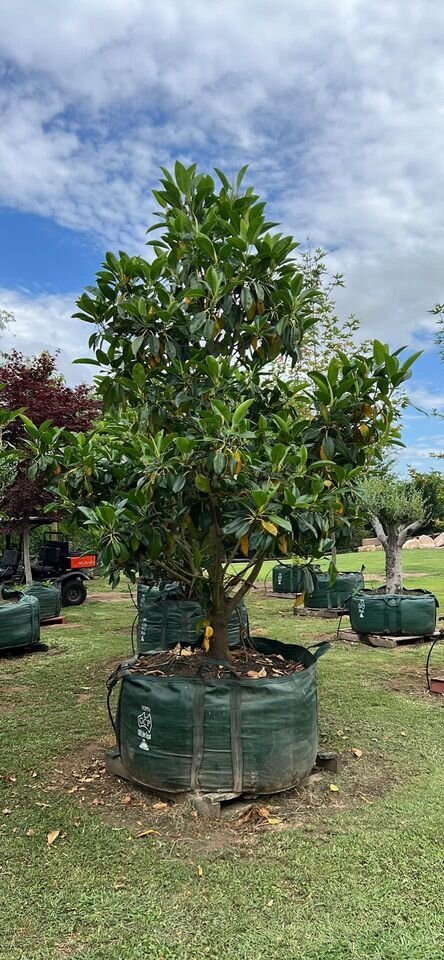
point(44, 322)
point(338, 107)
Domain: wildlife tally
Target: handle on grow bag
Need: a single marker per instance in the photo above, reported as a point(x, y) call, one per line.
point(9, 592)
point(132, 630)
point(319, 648)
point(432, 646)
point(111, 682)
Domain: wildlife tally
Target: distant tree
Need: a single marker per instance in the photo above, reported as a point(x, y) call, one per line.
point(35, 386)
point(395, 509)
point(329, 334)
point(438, 311)
point(6, 317)
point(431, 486)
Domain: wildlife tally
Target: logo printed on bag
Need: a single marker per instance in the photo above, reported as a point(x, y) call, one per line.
point(145, 726)
point(361, 608)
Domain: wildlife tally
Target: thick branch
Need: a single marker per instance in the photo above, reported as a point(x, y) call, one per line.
point(246, 586)
point(239, 577)
point(379, 530)
point(404, 534)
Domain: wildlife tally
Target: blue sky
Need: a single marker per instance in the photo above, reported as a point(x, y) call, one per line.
point(337, 107)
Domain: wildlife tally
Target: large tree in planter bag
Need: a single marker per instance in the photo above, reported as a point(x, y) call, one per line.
point(203, 456)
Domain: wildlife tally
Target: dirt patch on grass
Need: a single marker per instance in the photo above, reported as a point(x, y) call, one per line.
point(149, 817)
point(108, 597)
point(410, 681)
point(70, 625)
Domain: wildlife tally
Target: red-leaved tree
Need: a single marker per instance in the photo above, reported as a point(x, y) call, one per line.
point(33, 385)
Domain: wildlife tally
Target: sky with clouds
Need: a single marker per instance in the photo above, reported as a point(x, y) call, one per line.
point(337, 106)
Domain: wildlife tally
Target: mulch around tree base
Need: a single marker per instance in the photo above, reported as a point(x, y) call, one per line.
point(247, 664)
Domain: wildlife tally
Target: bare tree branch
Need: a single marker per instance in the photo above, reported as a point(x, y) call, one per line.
point(404, 534)
point(247, 584)
point(379, 530)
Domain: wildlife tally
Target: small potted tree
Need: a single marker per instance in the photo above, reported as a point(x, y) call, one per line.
point(202, 458)
point(395, 509)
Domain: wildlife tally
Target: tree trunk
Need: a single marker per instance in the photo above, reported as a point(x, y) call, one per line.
point(334, 552)
point(219, 641)
point(26, 555)
point(393, 562)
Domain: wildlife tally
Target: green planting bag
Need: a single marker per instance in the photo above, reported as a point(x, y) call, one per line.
point(292, 577)
point(166, 619)
point(325, 596)
point(181, 733)
point(49, 597)
point(19, 623)
point(411, 613)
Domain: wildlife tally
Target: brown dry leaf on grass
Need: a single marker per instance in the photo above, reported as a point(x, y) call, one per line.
point(146, 833)
point(356, 753)
point(161, 805)
point(51, 837)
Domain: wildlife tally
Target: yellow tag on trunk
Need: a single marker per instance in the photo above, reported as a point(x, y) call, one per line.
point(207, 638)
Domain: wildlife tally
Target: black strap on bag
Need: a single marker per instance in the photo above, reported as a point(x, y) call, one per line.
point(320, 648)
point(112, 682)
point(237, 758)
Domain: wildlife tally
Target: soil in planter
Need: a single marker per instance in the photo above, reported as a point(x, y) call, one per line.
point(186, 662)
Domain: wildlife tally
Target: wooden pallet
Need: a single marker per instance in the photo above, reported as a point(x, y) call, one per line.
point(279, 596)
point(387, 642)
point(52, 621)
point(328, 613)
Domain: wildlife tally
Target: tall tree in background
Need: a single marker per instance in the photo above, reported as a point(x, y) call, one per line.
point(325, 339)
point(431, 486)
point(329, 334)
point(438, 311)
point(34, 386)
point(6, 317)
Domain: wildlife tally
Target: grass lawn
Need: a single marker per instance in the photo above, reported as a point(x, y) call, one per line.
point(357, 872)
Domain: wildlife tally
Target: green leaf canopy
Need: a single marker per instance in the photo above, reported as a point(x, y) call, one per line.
point(202, 456)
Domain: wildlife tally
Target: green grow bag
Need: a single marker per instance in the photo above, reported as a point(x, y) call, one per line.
point(326, 596)
point(19, 623)
point(166, 618)
point(290, 578)
point(49, 598)
point(411, 613)
point(178, 734)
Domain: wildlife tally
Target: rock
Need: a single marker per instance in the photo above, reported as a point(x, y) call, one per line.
point(412, 544)
point(426, 542)
point(439, 540)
